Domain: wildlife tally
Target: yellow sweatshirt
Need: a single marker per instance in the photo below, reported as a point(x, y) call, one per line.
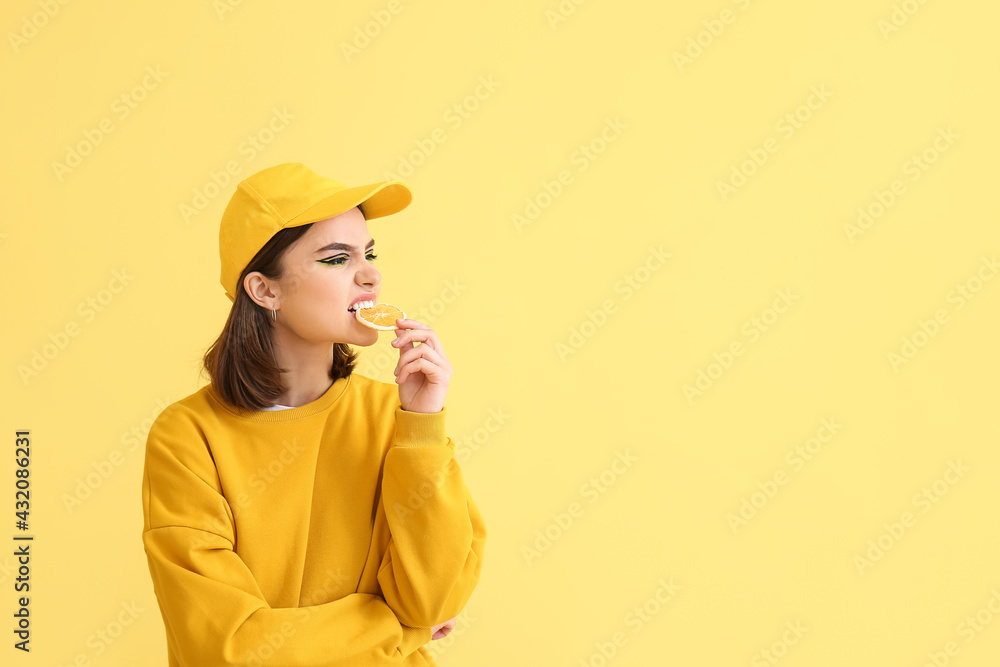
point(331, 534)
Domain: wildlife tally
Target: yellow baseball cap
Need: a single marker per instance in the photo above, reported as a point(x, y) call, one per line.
point(289, 195)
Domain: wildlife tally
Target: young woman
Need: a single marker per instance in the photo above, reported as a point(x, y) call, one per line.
point(296, 513)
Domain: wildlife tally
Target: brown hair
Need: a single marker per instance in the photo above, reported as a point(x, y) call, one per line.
point(241, 362)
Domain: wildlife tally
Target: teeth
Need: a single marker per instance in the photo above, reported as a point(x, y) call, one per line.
point(362, 304)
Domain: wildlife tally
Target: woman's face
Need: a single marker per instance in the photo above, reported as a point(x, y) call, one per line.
point(319, 282)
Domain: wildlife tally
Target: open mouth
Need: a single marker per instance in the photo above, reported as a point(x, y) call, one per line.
point(353, 310)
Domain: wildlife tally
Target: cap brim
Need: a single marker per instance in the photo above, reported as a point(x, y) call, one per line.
point(379, 199)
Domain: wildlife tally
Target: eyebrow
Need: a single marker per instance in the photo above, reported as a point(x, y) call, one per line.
point(343, 246)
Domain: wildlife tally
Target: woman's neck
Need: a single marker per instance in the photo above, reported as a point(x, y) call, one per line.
point(306, 374)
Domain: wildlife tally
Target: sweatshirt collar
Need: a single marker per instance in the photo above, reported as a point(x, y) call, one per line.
point(335, 391)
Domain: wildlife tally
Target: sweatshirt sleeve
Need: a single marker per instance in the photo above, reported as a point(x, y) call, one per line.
point(437, 535)
point(212, 607)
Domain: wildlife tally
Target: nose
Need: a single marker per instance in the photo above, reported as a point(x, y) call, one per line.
point(368, 275)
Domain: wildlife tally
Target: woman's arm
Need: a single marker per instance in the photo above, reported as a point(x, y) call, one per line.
point(435, 552)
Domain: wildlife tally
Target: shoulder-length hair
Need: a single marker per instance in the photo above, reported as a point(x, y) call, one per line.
point(241, 363)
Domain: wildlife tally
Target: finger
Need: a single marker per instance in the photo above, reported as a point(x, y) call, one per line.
point(426, 335)
point(423, 351)
point(402, 326)
point(402, 323)
point(435, 374)
point(434, 366)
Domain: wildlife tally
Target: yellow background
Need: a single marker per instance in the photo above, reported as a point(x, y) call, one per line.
point(559, 366)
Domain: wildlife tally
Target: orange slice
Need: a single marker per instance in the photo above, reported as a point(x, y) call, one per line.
point(381, 316)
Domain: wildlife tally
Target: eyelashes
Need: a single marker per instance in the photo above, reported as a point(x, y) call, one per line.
point(340, 259)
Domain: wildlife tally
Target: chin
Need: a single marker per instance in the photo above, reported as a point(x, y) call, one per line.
point(367, 343)
point(366, 339)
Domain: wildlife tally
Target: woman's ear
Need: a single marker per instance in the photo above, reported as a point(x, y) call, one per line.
point(261, 290)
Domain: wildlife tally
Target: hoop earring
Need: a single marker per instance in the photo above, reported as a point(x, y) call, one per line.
point(274, 315)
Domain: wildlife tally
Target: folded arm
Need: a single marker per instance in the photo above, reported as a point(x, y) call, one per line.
point(435, 552)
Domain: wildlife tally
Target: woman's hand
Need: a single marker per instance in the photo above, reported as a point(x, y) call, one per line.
point(443, 629)
point(423, 371)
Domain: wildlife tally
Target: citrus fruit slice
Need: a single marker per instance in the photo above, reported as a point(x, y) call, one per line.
point(381, 316)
